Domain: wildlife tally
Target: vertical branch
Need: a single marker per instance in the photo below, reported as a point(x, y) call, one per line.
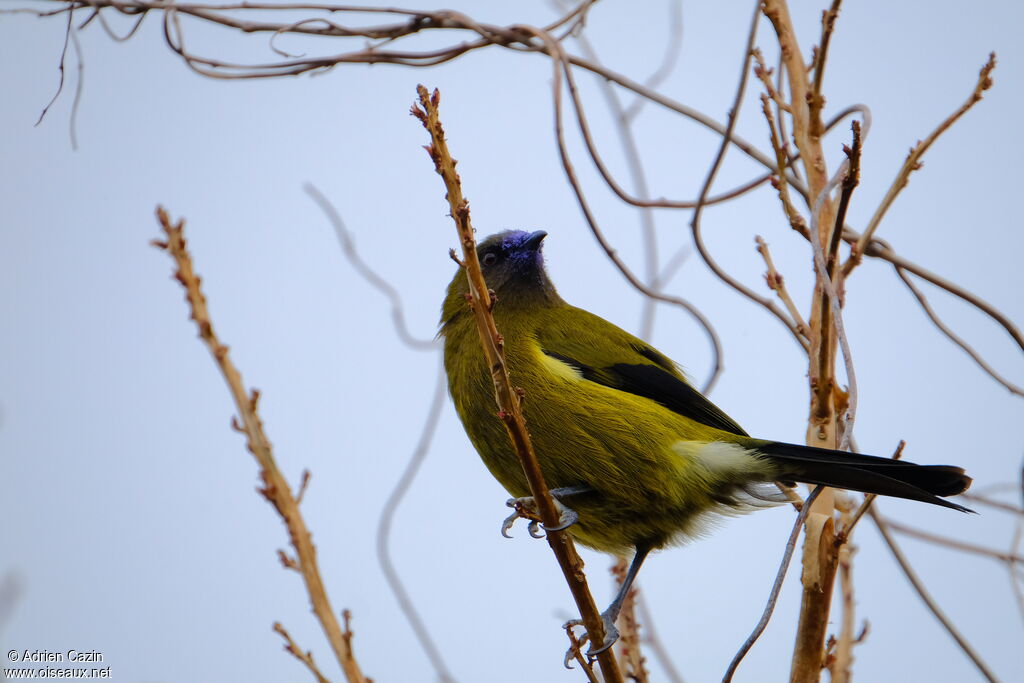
point(275, 487)
point(807, 131)
point(506, 396)
point(842, 659)
point(820, 559)
point(628, 644)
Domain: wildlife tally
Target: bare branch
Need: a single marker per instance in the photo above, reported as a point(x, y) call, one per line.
point(560, 62)
point(816, 100)
point(695, 226)
point(348, 247)
point(387, 518)
point(913, 162)
point(880, 249)
point(651, 640)
point(275, 487)
point(928, 600)
point(777, 284)
point(304, 656)
point(508, 401)
point(956, 544)
point(954, 337)
point(773, 596)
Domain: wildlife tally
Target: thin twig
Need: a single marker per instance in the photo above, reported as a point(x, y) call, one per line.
point(561, 68)
point(669, 59)
point(777, 284)
point(60, 66)
point(850, 182)
point(997, 504)
point(387, 517)
point(913, 163)
point(816, 102)
point(275, 487)
point(651, 640)
point(348, 247)
point(628, 644)
point(880, 249)
point(796, 221)
point(695, 226)
point(949, 542)
point(773, 596)
point(304, 656)
point(926, 597)
point(954, 337)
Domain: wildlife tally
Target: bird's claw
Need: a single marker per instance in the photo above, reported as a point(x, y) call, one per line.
point(526, 507)
point(566, 518)
point(611, 634)
point(506, 525)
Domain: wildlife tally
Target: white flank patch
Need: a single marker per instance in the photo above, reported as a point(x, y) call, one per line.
point(720, 457)
point(560, 368)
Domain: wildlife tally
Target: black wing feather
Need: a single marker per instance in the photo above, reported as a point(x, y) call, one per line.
point(659, 383)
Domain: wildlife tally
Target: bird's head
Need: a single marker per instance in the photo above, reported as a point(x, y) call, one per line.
point(513, 267)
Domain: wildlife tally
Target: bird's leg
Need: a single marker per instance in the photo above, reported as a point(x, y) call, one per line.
point(611, 633)
point(526, 507)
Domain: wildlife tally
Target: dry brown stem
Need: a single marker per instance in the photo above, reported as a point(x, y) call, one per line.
point(922, 300)
point(773, 596)
point(777, 284)
point(304, 656)
point(913, 160)
point(955, 543)
point(628, 645)
point(841, 662)
point(796, 221)
point(506, 396)
point(816, 101)
point(695, 222)
point(651, 639)
point(820, 558)
point(928, 600)
point(275, 487)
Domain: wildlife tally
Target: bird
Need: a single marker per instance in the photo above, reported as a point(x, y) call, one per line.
point(636, 458)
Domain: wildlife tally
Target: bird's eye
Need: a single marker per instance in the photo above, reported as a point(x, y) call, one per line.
point(489, 259)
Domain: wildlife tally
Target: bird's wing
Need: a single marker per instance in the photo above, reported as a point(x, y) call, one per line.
point(610, 356)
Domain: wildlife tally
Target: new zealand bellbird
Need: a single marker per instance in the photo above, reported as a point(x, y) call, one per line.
point(622, 437)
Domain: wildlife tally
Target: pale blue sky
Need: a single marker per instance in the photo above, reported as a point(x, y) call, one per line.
point(132, 524)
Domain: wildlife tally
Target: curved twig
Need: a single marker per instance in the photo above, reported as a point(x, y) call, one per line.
point(695, 226)
point(928, 600)
point(954, 337)
point(560, 61)
point(912, 162)
point(773, 596)
point(387, 517)
point(348, 247)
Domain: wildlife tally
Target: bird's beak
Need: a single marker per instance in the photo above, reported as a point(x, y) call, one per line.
point(533, 241)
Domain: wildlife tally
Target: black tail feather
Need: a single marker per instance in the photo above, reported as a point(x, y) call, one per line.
point(868, 473)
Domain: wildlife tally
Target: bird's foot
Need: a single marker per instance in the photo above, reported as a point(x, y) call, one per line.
point(611, 634)
point(526, 507)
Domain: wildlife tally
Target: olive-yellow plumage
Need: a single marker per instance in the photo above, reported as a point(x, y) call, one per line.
point(643, 457)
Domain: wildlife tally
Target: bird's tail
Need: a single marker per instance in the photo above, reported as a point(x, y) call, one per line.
point(867, 473)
